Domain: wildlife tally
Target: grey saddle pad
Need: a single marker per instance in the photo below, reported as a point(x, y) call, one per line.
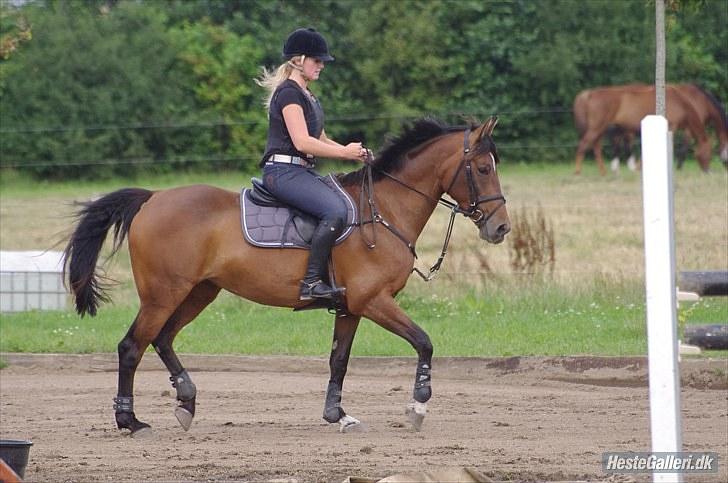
point(284, 227)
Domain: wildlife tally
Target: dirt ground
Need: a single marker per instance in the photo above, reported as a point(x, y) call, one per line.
point(259, 418)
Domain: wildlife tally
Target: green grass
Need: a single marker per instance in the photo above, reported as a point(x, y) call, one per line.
point(532, 320)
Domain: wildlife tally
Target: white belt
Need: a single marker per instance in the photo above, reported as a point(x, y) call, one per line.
point(284, 158)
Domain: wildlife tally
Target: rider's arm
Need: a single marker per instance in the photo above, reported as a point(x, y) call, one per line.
point(296, 125)
point(327, 140)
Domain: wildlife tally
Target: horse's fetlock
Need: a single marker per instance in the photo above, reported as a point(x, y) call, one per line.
point(333, 414)
point(124, 420)
point(422, 394)
point(186, 389)
point(422, 390)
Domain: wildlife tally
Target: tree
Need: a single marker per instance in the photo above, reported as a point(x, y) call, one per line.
point(87, 95)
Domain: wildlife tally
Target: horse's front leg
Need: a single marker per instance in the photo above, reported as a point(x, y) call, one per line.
point(384, 311)
point(344, 330)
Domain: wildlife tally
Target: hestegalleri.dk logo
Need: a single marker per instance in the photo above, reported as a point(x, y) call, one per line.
point(646, 462)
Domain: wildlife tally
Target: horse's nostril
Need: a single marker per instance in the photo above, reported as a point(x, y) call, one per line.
point(503, 229)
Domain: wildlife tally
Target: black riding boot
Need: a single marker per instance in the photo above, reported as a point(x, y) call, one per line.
point(312, 285)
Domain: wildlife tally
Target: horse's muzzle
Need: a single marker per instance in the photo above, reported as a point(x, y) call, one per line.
point(494, 232)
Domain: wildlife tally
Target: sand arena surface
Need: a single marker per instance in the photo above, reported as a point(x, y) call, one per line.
point(259, 418)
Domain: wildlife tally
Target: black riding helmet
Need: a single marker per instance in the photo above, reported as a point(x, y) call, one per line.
point(306, 42)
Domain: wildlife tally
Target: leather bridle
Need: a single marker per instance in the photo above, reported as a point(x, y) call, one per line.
point(476, 199)
point(473, 211)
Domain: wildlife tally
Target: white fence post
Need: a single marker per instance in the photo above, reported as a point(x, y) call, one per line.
point(662, 345)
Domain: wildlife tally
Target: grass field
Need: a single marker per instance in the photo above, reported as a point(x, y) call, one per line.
point(592, 303)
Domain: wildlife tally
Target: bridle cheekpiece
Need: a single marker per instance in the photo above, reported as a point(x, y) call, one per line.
point(475, 199)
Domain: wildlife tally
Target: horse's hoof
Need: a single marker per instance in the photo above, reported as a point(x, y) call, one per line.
point(184, 417)
point(416, 412)
point(145, 432)
point(349, 424)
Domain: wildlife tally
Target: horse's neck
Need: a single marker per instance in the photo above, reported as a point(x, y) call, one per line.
point(407, 209)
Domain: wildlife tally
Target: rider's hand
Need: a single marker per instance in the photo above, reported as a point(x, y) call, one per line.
point(366, 154)
point(353, 151)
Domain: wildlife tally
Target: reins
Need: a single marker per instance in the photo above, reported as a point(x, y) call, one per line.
point(476, 215)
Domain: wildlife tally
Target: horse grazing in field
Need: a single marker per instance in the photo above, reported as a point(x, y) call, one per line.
point(595, 110)
point(186, 245)
point(709, 110)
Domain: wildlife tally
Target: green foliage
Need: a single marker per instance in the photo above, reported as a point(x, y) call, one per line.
point(93, 89)
point(223, 66)
point(103, 87)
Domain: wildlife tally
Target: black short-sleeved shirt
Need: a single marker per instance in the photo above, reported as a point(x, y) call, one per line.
point(279, 140)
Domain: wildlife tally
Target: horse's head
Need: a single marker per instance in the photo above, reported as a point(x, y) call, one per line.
point(472, 180)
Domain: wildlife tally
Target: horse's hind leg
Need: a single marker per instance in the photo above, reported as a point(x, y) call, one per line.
point(344, 330)
point(585, 143)
point(199, 298)
point(146, 326)
point(598, 156)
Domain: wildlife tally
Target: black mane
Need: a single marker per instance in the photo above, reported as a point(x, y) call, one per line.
point(392, 158)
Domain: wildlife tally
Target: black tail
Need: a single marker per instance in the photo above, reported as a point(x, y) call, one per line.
point(82, 252)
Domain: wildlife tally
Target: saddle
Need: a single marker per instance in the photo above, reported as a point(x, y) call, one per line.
point(269, 223)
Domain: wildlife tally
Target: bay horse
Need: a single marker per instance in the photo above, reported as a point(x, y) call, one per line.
point(596, 110)
point(186, 245)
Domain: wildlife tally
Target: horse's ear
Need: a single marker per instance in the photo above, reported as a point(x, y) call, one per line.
point(487, 127)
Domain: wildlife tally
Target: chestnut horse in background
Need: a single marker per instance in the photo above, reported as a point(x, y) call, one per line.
point(186, 244)
point(708, 108)
point(596, 110)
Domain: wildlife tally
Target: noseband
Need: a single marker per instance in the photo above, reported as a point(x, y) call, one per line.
point(473, 212)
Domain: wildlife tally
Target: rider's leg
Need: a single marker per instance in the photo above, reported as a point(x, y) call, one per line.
point(313, 285)
point(303, 189)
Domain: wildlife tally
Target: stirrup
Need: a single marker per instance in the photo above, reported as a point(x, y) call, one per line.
point(319, 290)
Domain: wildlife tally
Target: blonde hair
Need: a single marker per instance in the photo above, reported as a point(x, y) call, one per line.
point(271, 79)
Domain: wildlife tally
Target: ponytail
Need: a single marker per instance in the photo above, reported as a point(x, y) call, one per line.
point(271, 79)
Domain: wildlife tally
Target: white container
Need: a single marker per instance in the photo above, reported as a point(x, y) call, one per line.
point(31, 280)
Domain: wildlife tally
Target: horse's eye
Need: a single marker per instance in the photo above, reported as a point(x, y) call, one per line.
point(484, 168)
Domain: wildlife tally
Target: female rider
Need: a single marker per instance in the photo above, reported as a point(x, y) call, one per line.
point(295, 137)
